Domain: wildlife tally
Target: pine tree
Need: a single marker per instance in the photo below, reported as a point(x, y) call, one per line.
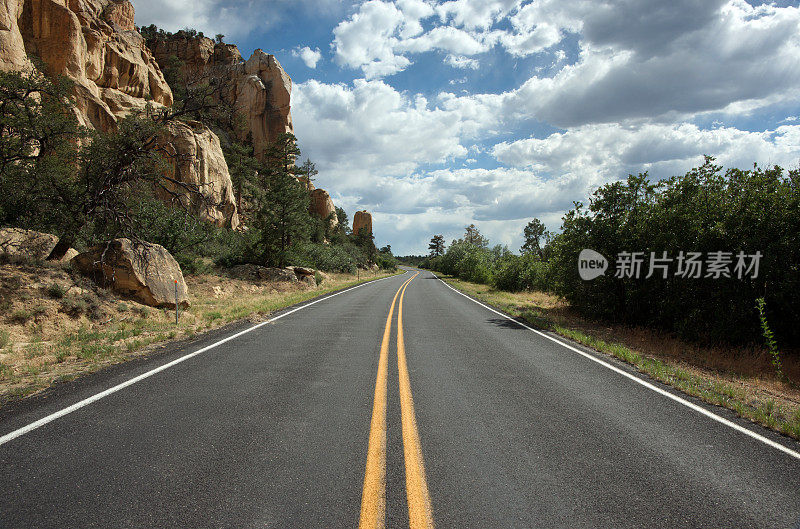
point(282, 216)
point(436, 245)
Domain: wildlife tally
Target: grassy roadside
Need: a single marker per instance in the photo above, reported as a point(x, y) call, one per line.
point(58, 326)
point(756, 397)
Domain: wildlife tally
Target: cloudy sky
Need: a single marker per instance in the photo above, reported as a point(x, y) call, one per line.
point(433, 115)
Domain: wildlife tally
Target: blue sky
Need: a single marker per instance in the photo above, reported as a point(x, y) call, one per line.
point(434, 115)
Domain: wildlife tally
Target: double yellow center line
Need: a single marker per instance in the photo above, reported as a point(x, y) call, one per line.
point(373, 497)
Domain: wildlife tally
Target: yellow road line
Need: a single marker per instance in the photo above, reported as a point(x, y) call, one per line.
point(373, 496)
point(420, 512)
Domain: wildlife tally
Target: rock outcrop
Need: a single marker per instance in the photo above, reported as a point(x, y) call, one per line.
point(362, 220)
point(253, 272)
point(146, 273)
point(96, 44)
point(306, 276)
point(12, 47)
point(322, 206)
point(258, 89)
point(195, 157)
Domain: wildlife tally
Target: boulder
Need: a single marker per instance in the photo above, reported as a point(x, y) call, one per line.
point(251, 272)
point(322, 206)
point(144, 272)
point(362, 220)
point(16, 242)
point(195, 157)
point(302, 271)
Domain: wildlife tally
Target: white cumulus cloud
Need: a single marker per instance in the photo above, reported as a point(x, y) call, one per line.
point(308, 56)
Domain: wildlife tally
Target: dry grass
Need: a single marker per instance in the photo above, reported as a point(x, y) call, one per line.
point(738, 378)
point(56, 325)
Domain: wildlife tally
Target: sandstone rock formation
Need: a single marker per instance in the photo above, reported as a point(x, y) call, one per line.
point(95, 43)
point(195, 157)
point(322, 206)
point(146, 273)
point(258, 89)
point(362, 220)
point(16, 242)
point(12, 47)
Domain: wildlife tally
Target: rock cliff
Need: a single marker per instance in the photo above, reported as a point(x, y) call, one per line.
point(258, 89)
point(195, 157)
point(322, 206)
point(95, 43)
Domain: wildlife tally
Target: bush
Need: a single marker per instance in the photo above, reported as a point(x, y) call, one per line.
point(329, 258)
point(192, 265)
point(56, 291)
point(703, 211)
point(386, 261)
point(20, 316)
point(318, 278)
point(73, 307)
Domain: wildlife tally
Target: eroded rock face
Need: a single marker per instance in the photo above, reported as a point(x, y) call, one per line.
point(94, 43)
point(12, 47)
point(259, 89)
point(146, 273)
point(362, 220)
point(195, 157)
point(322, 206)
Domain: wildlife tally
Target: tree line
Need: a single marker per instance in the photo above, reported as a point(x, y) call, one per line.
point(694, 254)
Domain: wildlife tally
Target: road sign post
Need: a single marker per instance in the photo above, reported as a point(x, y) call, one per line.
point(176, 302)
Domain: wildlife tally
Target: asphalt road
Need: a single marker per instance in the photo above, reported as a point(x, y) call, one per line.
point(311, 421)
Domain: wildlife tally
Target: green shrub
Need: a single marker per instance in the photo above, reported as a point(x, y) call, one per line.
point(56, 291)
point(5, 337)
point(769, 338)
point(73, 307)
point(193, 265)
point(20, 316)
point(330, 258)
point(318, 278)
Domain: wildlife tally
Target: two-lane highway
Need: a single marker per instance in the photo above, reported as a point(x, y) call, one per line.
point(398, 403)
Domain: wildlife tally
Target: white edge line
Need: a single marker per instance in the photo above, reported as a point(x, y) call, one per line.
point(638, 380)
point(94, 398)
